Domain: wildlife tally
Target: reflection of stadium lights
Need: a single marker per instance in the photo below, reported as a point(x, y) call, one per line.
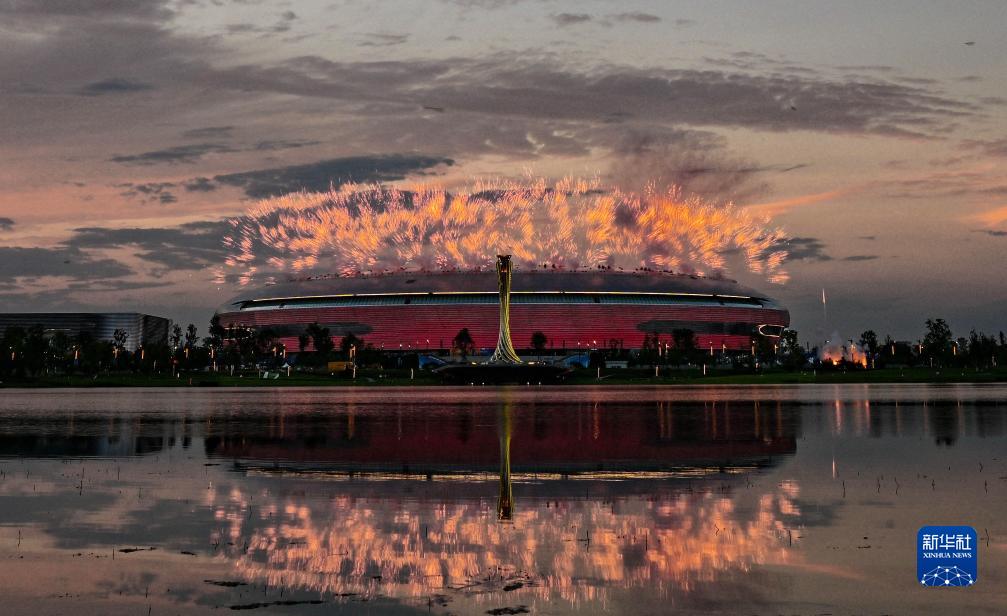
point(295, 544)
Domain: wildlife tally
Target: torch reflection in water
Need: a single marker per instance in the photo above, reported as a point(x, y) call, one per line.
point(505, 503)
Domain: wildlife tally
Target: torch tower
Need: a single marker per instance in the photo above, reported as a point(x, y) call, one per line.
point(504, 353)
point(504, 366)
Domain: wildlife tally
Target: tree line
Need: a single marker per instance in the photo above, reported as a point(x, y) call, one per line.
point(32, 352)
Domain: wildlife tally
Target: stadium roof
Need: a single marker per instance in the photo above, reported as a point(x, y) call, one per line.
point(535, 281)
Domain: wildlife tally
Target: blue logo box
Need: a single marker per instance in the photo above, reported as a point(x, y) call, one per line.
point(947, 556)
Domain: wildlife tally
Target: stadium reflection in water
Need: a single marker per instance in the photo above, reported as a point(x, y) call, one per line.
point(465, 500)
point(671, 519)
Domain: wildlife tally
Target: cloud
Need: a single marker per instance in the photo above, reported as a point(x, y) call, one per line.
point(518, 105)
point(989, 147)
point(534, 88)
point(187, 154)
point(68, 10)
point(992, 232)
point(647, 18)
point(485, 4)
point(863, 68)
point(378, 39)
point(209, 132)
point(284, 24)
point(199, 184)
point(320, 175)
point(950, 182)
point(174, 155)
point(17, 263)
point(114, 86)
point(691, 160)
point(158, 191)
point(189, 246)
point(93, 286)
point(6, 224)
point(860, 258)
point(570, 19)
point(806, 249)
point(992, 217)
point(812, 249)
point(282, 144)
point(775, 208)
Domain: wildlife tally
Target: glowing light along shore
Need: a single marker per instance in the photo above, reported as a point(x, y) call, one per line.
point(569, 224)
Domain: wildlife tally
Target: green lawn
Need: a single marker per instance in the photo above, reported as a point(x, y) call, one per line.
point(893, 375)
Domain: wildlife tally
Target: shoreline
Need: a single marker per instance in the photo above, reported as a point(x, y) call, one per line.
point(576, 378)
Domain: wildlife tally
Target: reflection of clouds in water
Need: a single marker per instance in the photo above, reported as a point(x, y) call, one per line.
point(572, 549)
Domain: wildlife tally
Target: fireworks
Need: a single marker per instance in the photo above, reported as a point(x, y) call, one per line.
point(570, 224)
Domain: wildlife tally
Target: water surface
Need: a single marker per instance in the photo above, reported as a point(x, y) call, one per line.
point(755, 500)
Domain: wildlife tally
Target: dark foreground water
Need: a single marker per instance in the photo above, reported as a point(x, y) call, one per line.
point(734, 500)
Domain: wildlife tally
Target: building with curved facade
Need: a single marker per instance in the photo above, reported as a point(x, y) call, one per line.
point(140, 329)
point(576, 310)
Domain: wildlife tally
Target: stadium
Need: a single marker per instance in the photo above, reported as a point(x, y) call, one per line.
point(576, 310)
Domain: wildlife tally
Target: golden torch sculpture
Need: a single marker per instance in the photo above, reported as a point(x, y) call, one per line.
point(504, 353)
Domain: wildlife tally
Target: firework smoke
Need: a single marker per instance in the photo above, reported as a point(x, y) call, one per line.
point(570, 224)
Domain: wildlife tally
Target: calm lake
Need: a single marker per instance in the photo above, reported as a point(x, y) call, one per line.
point(724, 500)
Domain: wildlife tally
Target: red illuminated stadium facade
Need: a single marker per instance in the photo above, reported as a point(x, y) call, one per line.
point(576, 310)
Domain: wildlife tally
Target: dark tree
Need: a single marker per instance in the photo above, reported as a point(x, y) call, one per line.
point(175, 339)
point(937, 343)
point(265, 342)
point(463, 342)
point(14, 340)
point(321, 340)
point(119, 337)
point(35, 349)
point(191, 336)
point(979, 350)
point(683, 342)
point(765, 349)
point(650, 350)
point(869, 344)
point(350, 341)
point(216, 333)
point(791, 353)
point(538, 342)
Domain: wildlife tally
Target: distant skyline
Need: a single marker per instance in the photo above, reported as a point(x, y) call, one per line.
point(873, 134)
